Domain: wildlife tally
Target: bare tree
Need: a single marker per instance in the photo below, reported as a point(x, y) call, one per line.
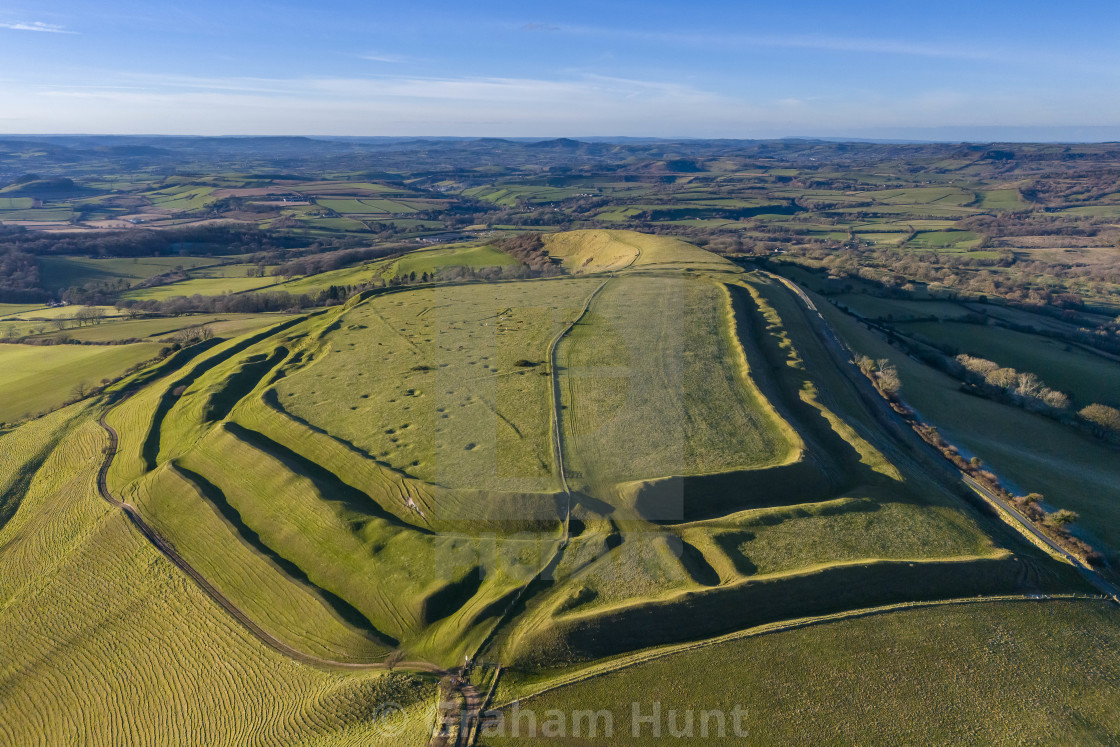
point(1104, 420)
point(1063, 517)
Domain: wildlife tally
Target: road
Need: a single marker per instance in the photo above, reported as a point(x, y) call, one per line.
point(844, 359)
point(471, 697)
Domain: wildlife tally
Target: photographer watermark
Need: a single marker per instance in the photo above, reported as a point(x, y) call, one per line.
point(649, 720)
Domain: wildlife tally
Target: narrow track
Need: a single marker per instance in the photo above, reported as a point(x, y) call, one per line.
point(554, 382)
point(471, 697)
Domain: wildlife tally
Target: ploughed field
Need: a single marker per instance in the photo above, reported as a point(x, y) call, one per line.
point(655, 448)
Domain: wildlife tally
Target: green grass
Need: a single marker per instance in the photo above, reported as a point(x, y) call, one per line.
point(16, 203)
point(609, 250)
point(1086, 377)
point(183, 198)
point(365, 206)
point(205, 286)
point(924, 196)
point(1035, 453)
point(650, 391)
point(335, 224)
point(43, 214)
point(37, 378)
point(1002, 199)
point(471, 418)
point(380, 475)
point(898, 309)
point(944, 240)
point(222, 325)
point(63, 272)
point(223, 473)
point(433, 260)
point(1094, 211)
point(101, 636)
point(12, 310)
point(997, 673)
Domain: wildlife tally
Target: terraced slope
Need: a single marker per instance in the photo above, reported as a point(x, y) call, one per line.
point(103, 641)
point(383, 476)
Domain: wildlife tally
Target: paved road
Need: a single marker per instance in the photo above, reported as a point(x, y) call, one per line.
point(843, 357)
point(472, 698)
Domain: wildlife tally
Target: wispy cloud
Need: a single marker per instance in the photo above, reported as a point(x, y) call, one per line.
point(48, 28)
point(392, 59)
point(863, 45)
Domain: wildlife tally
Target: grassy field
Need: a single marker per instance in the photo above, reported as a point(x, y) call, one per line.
point(15, 310)
point(609, 250)
point(433, 260)
point(103, 640)
point(1086, 377)
point(1034, 453)
point(380, 476)
point(63, 272)
point(37, 378)
point(944, 240)
point(16, 203)
point(222, 325)
point(365, 206)
point(649, 389)
point(996, 673)
point(203, 286)
point(427, 381)
point(1002, 199)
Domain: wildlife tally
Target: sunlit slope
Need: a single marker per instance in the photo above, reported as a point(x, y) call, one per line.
point(990, 673)
point(543, 471)
point(104, 641)
point(603, 250)
point(843, 525)
point(651, 387)
point(449, 385)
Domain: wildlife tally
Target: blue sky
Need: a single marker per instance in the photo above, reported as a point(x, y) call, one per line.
point(946, 70)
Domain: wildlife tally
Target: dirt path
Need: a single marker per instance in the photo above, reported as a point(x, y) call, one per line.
point(554, 380)
point(471, 697)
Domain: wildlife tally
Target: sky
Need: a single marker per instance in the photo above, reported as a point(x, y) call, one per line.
point(977, 70)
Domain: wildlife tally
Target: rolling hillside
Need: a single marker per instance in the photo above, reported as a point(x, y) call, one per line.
point(654, 449)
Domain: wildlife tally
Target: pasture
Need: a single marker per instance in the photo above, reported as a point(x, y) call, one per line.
point(1083, 375)
point(428, 381)
point(649, 389)
point(998, 672)
point(202, 286)
point(36, 378)
point(1031, 452)
point(63, 272)
point(433, 260)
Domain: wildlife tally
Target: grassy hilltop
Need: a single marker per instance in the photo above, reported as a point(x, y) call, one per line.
point(588, 473)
